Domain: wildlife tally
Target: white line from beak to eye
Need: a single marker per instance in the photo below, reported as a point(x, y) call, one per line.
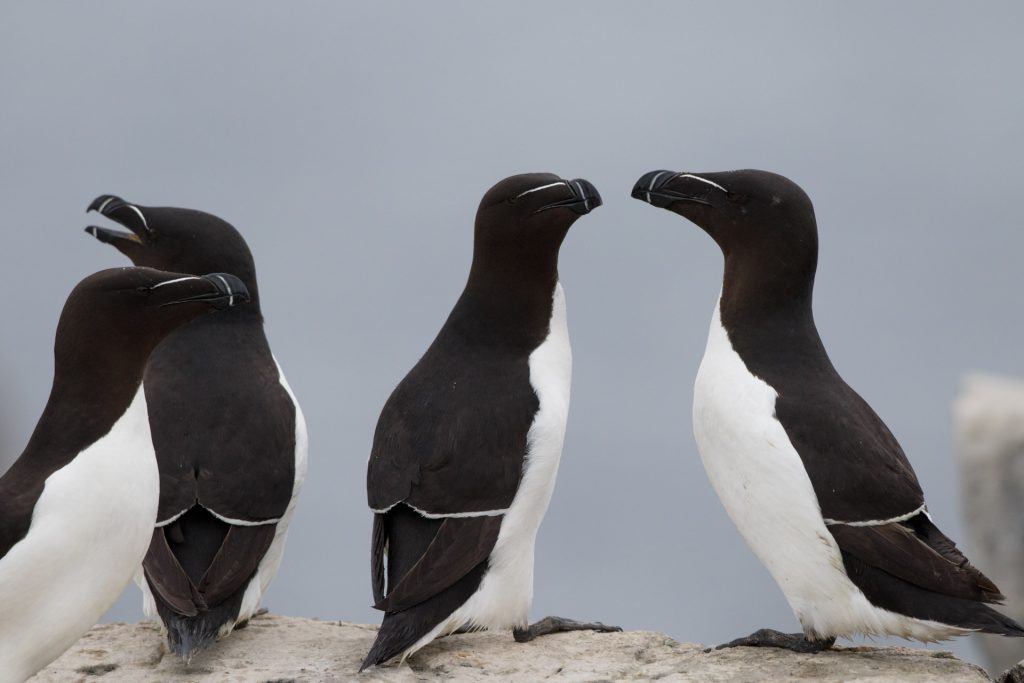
point(542, 187)
point(703, 180)
point(651, 186)
point(104, 204)
point(231, 295)
point(136, 210)
point(171, 282)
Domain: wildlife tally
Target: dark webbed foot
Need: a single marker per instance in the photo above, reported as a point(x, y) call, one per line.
point(549, 625)
point(766, 637)
point(1015, 674)
point(259, 613)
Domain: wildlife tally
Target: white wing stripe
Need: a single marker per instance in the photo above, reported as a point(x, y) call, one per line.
point(442, 515)
point(879, 522)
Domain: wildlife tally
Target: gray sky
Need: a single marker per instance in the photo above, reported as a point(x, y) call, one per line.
point(351, 143)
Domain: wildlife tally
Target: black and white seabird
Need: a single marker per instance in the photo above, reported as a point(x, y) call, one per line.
point(77, 507)
point(230, 437)
point(467, 446)
point(810, 475)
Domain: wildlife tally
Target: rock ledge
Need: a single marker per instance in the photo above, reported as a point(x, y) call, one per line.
point(276, 649)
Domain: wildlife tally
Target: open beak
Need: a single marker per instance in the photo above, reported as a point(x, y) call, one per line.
point(585, 198)
point(653, 188)
point(108, 236)
point(128, 215)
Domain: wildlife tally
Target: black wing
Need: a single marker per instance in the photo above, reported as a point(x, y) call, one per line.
point(857, 469)
point(912, 568)
point(916, 551)
point(856, 466)
point(860, 474)
point(452, 437)
point(458, 546)
point(198, 562)
point(450, 440)
point(224, 432)
point(223, 426)
point(433, 567)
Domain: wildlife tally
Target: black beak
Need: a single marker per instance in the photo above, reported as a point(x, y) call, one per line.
point(108, 236)
point(585, 198)
point(651, 188)
point(128, 215)
point(227, 291)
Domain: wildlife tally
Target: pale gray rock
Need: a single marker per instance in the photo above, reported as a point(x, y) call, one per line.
point(989, 432)
point(275, 649)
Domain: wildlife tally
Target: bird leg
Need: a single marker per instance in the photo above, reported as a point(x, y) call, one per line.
point(797, 642)
point(259, 613)
point(549, 625)
point(1014, 674)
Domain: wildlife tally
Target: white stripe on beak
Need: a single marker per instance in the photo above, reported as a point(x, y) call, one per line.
point(586, 202)
point(651, 186)
point(231, 295)
point(104, 204)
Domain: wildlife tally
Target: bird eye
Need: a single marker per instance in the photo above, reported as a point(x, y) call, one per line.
point(735, 197)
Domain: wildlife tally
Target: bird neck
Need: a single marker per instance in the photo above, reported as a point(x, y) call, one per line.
point(87, 397)
point(508, 301)
point(766, 309)
point(759, 285)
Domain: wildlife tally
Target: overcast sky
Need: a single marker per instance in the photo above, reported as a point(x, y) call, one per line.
point(351, 142)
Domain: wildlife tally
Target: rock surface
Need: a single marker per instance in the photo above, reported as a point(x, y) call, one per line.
point(989, 428)
point(276, 649)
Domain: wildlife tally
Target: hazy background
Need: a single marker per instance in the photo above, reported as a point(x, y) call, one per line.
point(351, 143)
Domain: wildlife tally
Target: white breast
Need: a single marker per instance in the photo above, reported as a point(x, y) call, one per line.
point(761, 481)
point(90, 528)
point(506, 591)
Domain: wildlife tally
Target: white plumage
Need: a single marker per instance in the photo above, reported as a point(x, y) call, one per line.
point(761, 481)
point(90, 529)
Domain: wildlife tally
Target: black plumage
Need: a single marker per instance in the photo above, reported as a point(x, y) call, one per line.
point(449, 447)
point(76, 507)
point(110, 325)
point(868, 494)
point(224, 429)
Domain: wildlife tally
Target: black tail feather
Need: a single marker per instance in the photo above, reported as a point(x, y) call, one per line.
point(401, 630)
point(186, 636)
point(896, 595)
point(378, 549)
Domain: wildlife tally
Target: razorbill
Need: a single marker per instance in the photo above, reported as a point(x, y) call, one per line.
point(229, 435)
point(810, 475)
point(466, 449)
point(77, 507)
